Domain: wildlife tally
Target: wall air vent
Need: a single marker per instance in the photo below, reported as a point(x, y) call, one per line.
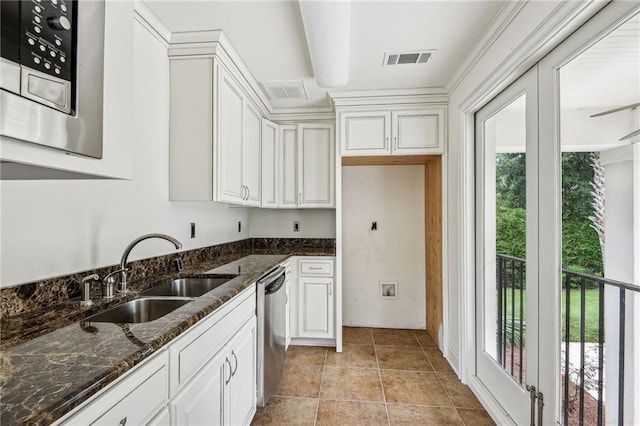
point(399, 58)
point(290, 89)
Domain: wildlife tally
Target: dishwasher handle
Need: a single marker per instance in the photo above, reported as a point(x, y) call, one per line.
point(273, 281)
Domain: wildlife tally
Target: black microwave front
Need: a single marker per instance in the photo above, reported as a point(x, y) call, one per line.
point(38, 51)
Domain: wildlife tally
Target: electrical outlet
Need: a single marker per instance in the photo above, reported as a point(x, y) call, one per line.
point(296, 226)
point(193, 229)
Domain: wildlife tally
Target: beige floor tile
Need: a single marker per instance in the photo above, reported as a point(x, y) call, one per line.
point(333, 413)
point(413, 387)
point(460, 395)
point(356, 336)
point(392, 337)
point(424, 339)
point(422, 415)
point(306, 355)
point(475, 417)
point(300, 380)
point(349, 383)
point(354, 356)
point(287, 411)
point(402, 358)
point(437, 360)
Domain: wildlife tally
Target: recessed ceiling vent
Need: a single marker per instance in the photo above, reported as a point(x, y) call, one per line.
point(285, 89)
point(399, 58)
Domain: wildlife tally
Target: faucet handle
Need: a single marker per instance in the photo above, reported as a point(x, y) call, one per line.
point(85, 289)
point(109, 283)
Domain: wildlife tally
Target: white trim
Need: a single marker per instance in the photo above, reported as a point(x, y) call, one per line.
point(453, 357)
point(493, 407)
point(561, 22)
point(151, 23)
point(502, 20)
point(388, 97)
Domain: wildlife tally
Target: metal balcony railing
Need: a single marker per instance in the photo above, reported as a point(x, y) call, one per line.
point(582, 381)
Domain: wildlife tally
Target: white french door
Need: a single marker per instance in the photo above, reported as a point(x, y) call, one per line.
point(507, 283)
point(518, 178)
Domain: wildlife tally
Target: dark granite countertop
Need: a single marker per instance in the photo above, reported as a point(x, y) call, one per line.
point(51, 362)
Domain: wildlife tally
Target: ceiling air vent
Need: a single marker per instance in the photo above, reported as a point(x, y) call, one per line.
point(399, 58)
point(285, 89)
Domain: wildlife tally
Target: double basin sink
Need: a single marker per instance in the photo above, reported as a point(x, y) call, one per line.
point(161, 300)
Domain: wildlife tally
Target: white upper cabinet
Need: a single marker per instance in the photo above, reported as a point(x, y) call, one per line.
point(214, 136)
point(229, 128)
point(252, 160)
point(365, 133)
point(270, 164)
point(316, 166)
point(288, 145)
point(392, 132)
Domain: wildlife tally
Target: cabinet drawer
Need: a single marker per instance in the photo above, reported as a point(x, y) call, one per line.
point(132, 401)
point(315, 267)
point(187, 357)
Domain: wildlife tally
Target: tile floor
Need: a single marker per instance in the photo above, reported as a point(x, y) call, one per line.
point(382, 377)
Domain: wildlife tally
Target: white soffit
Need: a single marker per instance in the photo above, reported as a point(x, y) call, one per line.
point(270, 38)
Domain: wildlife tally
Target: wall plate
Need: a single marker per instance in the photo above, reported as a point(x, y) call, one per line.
point(388, 290)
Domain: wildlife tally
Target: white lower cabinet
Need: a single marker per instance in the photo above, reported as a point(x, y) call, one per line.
point(312, 308)
point(315, 307)
point(224, 391)
point(135, 399)
point(201, 401)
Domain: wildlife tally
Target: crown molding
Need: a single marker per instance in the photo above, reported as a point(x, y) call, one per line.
point(498, 25)
point(151, 23)
point(434, 95)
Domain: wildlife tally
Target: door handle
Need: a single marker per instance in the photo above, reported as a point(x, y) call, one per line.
point(235, 358)
point(226, 382)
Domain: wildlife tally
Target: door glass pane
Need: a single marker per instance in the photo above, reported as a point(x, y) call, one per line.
point(600, 108)
point(505, 238)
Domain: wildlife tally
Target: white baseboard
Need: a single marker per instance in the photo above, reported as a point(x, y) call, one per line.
point(301, 341)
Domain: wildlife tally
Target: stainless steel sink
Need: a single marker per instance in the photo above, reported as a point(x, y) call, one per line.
point(139, 310)
point(187, 287)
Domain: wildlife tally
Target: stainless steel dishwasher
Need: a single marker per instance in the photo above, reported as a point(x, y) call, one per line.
point(271, 304)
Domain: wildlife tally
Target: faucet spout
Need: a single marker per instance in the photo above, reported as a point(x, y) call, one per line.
point(132, 244)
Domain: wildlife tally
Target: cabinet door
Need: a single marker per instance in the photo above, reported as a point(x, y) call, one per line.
point(242, 385)
point(316, 164)
point(190, 130)
point(201, 402)
point(315, 307)
point(230, 128)
point(365, 133)
point(270, 164)
point(252, 157)
point(288, 145)
point(418, 132)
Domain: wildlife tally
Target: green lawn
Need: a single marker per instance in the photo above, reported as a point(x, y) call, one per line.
point(591, 314)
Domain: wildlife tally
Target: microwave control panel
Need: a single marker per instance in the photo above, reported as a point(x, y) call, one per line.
point(47, 36)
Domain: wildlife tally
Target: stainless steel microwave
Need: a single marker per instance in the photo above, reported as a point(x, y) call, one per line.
point(51, 73)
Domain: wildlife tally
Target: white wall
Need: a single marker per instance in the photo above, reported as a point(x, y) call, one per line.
point(393, 196)
point(52, 228)
point(314, 223)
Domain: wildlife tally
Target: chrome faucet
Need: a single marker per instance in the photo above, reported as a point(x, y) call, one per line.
point(127, 250)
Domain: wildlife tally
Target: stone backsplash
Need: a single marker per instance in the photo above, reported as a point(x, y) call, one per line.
point(42, 294)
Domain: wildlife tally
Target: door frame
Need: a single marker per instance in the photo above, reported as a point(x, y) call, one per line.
point(561, 23)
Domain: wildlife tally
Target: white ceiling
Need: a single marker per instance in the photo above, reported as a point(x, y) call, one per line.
point(270, 38)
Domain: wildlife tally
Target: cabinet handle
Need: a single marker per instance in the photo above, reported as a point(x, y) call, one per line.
point(235, 358)
point(395, 142)
point(386, 143)
point(300, 198)
point(315, 268)
point(248, 192)
point(286, 299)
point(330, 291)
point(122, 422)
point(226, 382)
